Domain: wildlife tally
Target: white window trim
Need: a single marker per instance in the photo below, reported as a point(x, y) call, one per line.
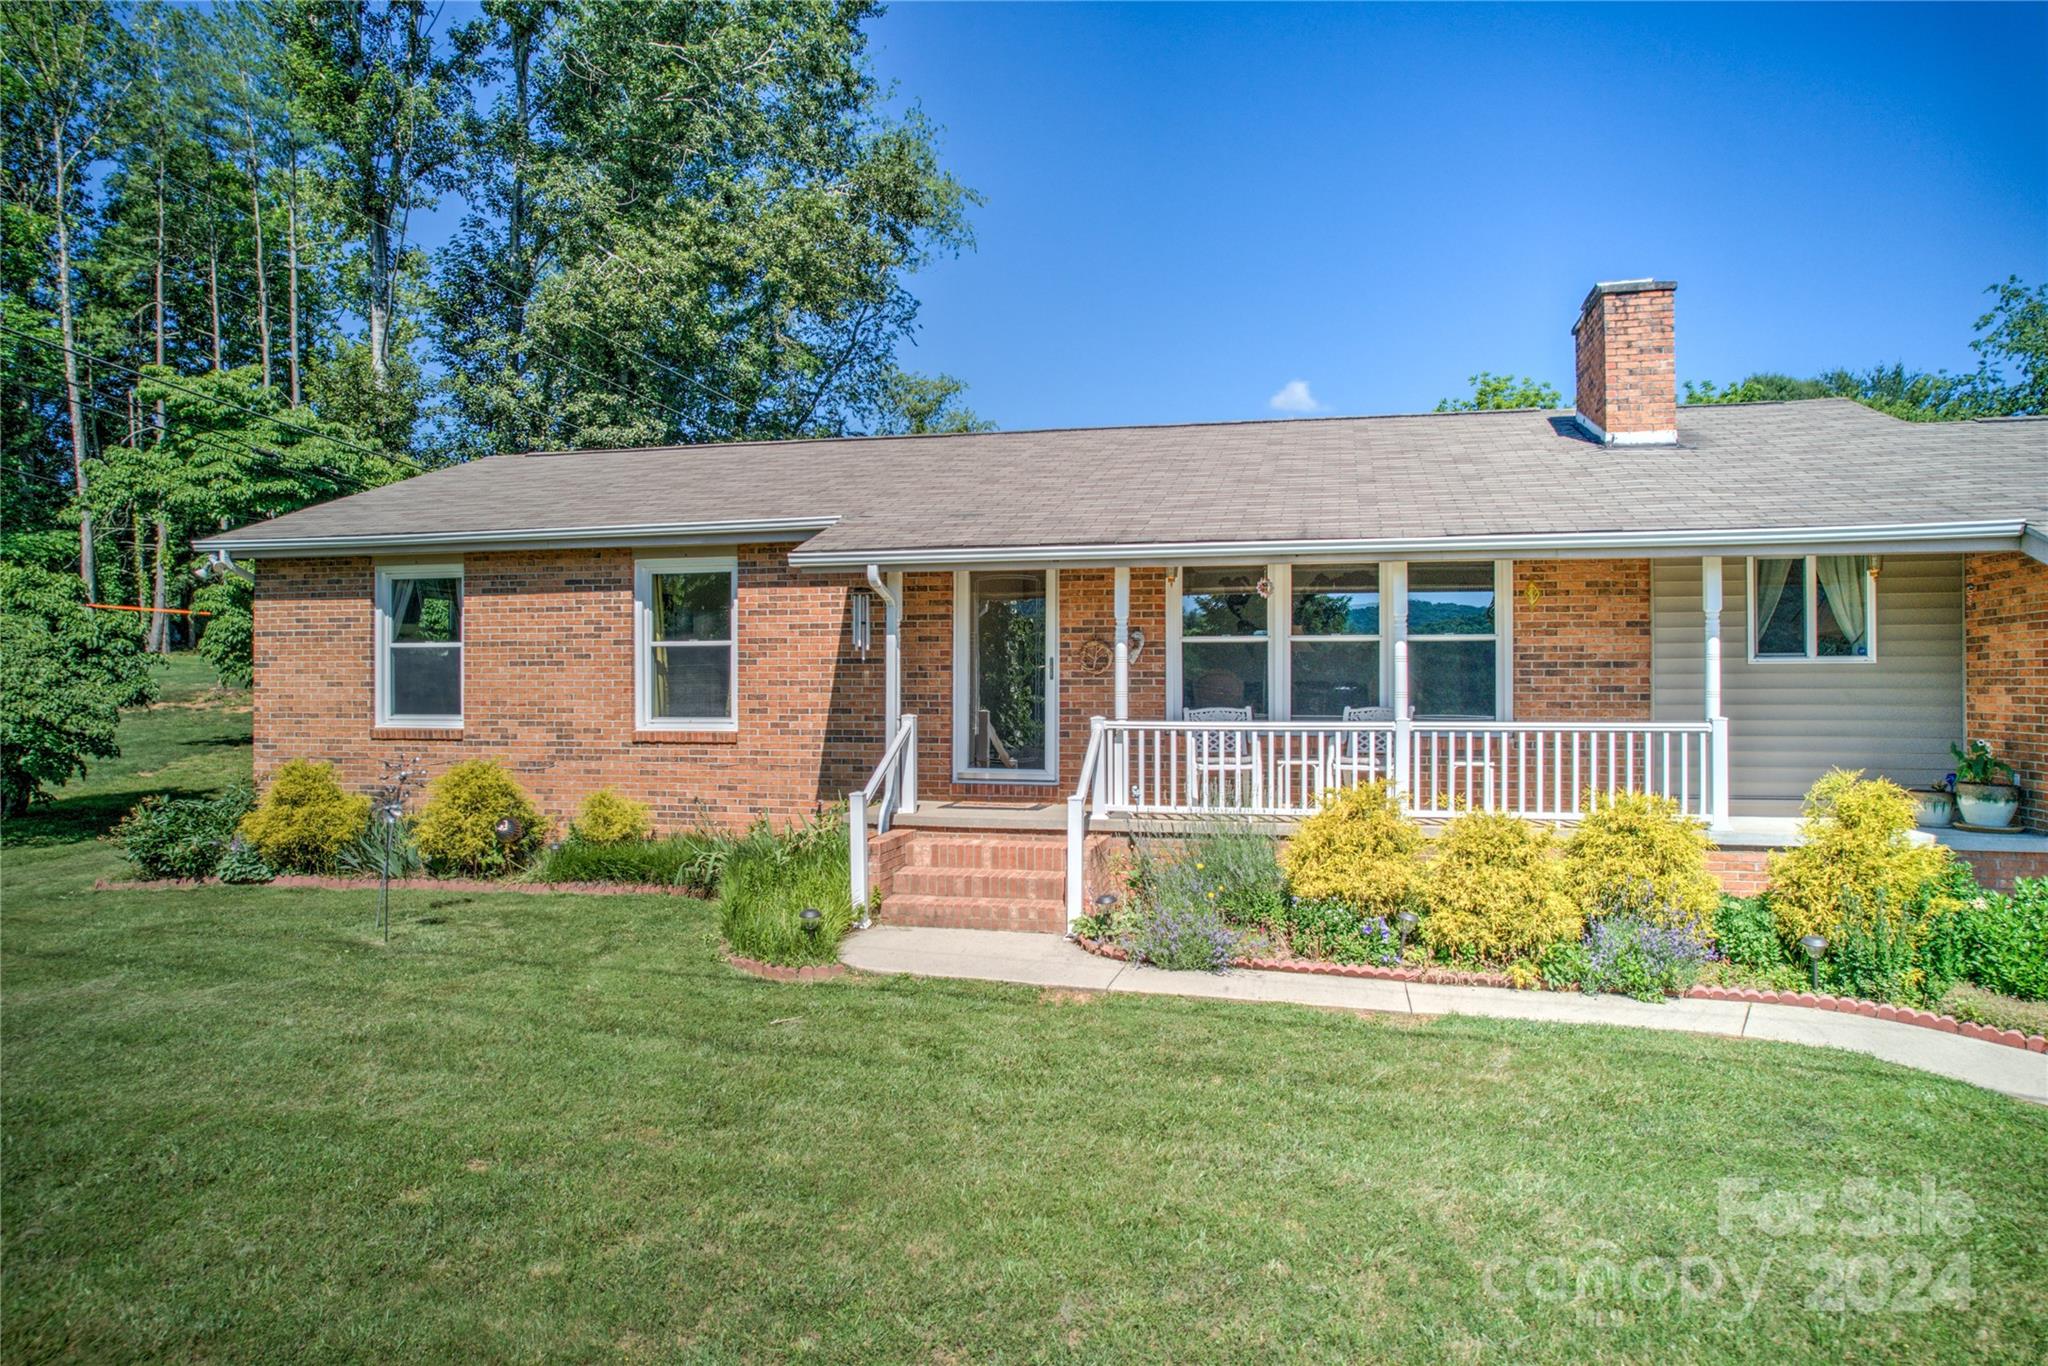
point(1285, 691)
point(1750, 624)
point(1276, 624)
point(644, 571)
point(1280, 633)
point(1502, 636)
point(963, 665)
point(381, 665)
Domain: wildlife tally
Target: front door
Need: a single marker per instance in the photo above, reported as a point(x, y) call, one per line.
point(1006, 686)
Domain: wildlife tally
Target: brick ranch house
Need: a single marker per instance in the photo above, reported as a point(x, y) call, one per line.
point(1009, 647)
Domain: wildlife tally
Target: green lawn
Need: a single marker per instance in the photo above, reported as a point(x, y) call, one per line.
point(546, 1127)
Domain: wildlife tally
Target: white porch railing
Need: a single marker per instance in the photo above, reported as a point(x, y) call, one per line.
point(1537, 769)
point(891, 788)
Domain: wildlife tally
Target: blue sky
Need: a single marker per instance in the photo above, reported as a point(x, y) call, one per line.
point(1190, 207)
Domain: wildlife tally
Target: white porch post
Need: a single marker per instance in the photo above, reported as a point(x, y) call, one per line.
point(1123, 642)
point(1717, 767)
point(1397, 631)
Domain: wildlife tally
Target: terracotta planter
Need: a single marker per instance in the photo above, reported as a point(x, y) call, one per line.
point(1993, 805)
point(1935, 808)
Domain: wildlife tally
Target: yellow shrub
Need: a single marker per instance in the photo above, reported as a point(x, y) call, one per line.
point(1495, 890)
point(1358, 849)
point(1633, 851)
point(458, 828)
point(609, 817)
point(1855, 858)
point(304, 819)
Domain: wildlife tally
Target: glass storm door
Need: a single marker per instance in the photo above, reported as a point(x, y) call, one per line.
point(1004, 635)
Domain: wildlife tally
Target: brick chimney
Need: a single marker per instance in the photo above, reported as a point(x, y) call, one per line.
point(1628, 375)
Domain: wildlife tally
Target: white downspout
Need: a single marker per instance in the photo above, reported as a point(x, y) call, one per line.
point(889, 588)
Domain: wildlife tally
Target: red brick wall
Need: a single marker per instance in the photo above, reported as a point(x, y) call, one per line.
point(548, 685)
point(1627, 362)
point(2005, 665)
point(1582, 640)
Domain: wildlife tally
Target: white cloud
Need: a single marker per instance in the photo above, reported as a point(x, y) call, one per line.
point(1294, 397)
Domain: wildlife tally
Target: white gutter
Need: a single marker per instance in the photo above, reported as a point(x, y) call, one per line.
point(882, 589)
point(2034, 540)
point(777, 528)
point(1929, 536)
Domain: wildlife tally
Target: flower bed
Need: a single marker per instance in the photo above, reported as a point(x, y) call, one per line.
point(330, 883)
point(1876, 1010)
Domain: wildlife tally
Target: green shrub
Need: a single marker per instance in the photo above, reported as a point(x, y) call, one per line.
point(1747, 933)
point(1494, 891)
point(1636, 847)
point(1856, 860)
point(685, 860)
point(1564, 964)
point(1233, 869)
point(304, 820)
point(768, 879)
point(457, 829)
point(610, 817)
point(183, 836)
point(1336, 931)
point(2007, 941)
point(1359, 849)
point(241, 863)
point(1874, 959)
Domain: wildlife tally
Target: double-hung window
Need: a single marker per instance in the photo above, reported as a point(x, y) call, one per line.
point(686, 651)
point(1812, 607)
point(1454, 640)
point(1223, 632)
point(1334, 639)
point(419, 645)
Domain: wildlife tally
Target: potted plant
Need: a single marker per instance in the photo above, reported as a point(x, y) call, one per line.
point(1982, 799)
point(1935, 805)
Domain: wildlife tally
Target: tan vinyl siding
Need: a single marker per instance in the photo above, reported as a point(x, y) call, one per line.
point(1791, 721)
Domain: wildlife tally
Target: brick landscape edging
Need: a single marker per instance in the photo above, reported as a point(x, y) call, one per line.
point(302, 882)
point(1841, 1005)
point(776, 972)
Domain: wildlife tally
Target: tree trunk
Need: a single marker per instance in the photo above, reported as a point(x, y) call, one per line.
point(292, 285)
point(256, 217)
point(159, 620)
point(66, 331)
point(380, 311)
point(141, 561)
point(213, 291)
point(522, 60)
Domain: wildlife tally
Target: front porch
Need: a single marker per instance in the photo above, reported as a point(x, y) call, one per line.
point(1092, 700)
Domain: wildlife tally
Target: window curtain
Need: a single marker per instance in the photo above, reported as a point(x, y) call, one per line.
point(1770, 588)
point(1846, 581)
point(403, 591)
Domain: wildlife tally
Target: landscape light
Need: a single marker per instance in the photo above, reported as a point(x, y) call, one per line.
point(1815, 945)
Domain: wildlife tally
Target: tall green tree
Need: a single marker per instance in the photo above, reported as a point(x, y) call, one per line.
point(386, 105)
point(718, 223)
point(918, 404)
point(1491, 391)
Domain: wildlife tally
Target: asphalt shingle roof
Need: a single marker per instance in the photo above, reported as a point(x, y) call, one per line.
point(1822, 463)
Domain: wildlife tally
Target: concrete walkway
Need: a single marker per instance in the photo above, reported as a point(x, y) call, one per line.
point(1046, 960)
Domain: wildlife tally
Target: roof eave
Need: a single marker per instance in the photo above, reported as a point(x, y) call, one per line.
point(547, 538)
point(1920, 538)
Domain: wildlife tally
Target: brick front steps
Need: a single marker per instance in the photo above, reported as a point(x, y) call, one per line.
point(972, 879)
point(1924, 1019)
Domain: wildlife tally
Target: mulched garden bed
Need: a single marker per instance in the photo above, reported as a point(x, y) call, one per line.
point(418, 884)
point(1923, 1019)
